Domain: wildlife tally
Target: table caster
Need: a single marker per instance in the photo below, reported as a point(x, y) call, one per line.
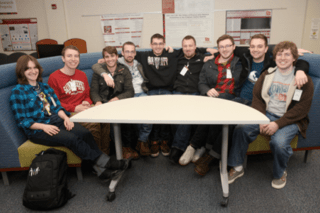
point(224, 201)
point(111, 196)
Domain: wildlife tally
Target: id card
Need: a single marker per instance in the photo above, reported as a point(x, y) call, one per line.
point(297, 95)
point(229, 75)
point(184, 70)
point(73, 86)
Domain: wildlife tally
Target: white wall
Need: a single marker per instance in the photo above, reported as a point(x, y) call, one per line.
point(79, 18)
point(313, 11)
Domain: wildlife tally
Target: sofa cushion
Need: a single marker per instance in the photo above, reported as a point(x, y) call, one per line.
point(28, 150)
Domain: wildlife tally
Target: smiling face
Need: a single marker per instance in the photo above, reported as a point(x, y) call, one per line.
point(32, 73)
point(258, 49)
point(111, 60)
point(226, 49)
point(284, 60)
point(157, 46)
point(189, 48)
point(71, 59)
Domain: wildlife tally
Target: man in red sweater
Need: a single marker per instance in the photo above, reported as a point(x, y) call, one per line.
point(73, 90)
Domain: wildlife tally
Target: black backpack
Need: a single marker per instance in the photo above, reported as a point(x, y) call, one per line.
point(47, 186)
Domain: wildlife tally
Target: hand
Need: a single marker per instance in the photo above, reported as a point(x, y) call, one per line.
point(207, 58)
point(212, 51)
point(271, 128)
point(213, 93)
point(108, 80)
point(85, 103)
point(262, 128)
point(300, 79)
point(301, 51)
point(98, 103)
point(169, 49)
point(114, 99)
point(101, 61)
point(68, 124)
point(50, 129)
point(80, 108)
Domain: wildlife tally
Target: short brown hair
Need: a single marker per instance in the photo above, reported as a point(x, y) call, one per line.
point(284, 45)
point(128, 43)
point(157, 35)
point(109, 49)
point(69, 47)
point(188, 37)
point(22, 66)
point(259, 36)
point(224, 37)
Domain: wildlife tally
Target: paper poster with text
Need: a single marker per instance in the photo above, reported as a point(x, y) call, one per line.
point(18, 34)
point(120, 28)
point(8, 7)
point(243, 24)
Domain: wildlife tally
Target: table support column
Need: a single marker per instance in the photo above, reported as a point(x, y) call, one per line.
point(223, 168)
point(117, 140)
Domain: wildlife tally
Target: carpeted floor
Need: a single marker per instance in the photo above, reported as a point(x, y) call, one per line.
point(155, 185)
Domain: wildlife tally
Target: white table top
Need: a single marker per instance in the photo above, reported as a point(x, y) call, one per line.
point(172, 109)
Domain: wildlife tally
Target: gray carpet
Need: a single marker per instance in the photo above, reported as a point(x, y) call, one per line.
point(155, 185)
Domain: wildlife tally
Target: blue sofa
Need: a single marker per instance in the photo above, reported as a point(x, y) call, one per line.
point(12, 137)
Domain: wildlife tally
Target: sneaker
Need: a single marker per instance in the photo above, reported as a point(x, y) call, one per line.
point(111, 174)
point(175, 155)
point(128, 152)
point(114, 164)
point(165, 149)
point(204, 165)
point(280, 183)
point(233, 175)
point(154, 149)
point(187, 156)
point(198, 154)
point(143, 148)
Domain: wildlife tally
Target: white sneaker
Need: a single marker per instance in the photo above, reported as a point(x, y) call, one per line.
point(187, 156)
point(198, 154)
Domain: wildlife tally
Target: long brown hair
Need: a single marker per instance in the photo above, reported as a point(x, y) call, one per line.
point(22, 66)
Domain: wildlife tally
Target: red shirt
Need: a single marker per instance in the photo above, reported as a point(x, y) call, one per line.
point(62, 86)
point(224, 85)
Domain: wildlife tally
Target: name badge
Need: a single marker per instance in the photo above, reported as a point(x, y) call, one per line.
point(184, 70)
point(73, 86)
point(54, 103)
point(229, 75)
point(297, 95)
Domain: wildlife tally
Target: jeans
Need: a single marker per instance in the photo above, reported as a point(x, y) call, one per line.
point(160, 131)
point(126, 132)
point(210, 135)
point(279, 144)
point(242, 101)
point(79, 140)
point(182, 132)
point(143, 129)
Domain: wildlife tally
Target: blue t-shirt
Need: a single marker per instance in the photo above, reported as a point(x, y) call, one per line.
point(247, 87)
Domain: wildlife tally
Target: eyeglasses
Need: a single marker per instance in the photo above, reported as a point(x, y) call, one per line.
point(129, 52)
point(225, 47)
point(157, 44)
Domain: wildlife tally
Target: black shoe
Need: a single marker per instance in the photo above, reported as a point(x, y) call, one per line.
point(114, 164)
point(175, 155)
point(108, 175)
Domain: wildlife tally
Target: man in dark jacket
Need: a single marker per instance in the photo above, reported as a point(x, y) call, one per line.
point(122, 88)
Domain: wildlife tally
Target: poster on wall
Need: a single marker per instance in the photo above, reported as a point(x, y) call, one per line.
point(243, 24)
point(18, 34)
point(8, 7)
point(120, 28)
point(315, 25)
point(200, 26)
point(187, 6)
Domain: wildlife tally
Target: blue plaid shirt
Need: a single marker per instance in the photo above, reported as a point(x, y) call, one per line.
point(28, 108)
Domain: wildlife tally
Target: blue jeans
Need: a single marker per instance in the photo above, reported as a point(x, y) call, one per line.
point(182, 132)
point(160, 131)
point(279, 144)
point(143, 129)
point(79, 140)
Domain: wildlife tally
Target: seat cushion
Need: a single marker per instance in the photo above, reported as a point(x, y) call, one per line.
point(261, 145)
point(28, 150)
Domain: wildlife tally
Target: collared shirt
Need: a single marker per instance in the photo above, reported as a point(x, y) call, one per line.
point(28, 108)
point(224, 85)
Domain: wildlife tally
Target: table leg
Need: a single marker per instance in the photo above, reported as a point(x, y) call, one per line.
point(118, 144)
point(223, 168)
